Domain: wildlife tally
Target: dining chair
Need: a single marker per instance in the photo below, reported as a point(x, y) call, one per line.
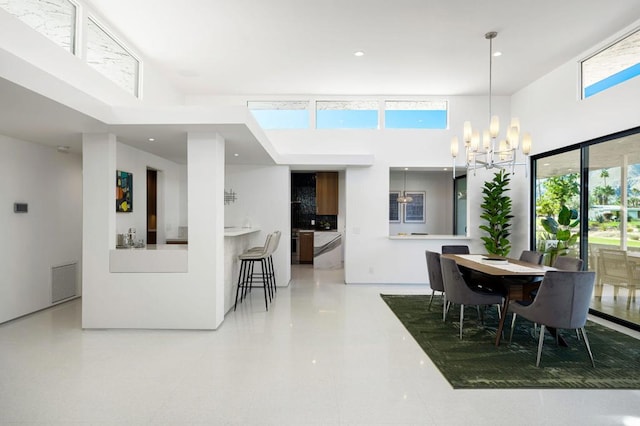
point(453, 249)
point(618, 270)
point(435, 278)
point(457, 291)
point(531, 257)
point(567, 263)
point(562, 302)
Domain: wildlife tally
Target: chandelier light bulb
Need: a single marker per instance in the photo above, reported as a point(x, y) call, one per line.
point(526, 144)
point(467, 133)
point(494, 126)
point(475, 141)
point(454, 146)
point(486, 141)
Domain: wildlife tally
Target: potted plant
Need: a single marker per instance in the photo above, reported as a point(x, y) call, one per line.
point(560, 232)
point(496, 207)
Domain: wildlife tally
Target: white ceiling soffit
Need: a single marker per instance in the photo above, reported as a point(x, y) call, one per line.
point(411, 47)
point(29, 116)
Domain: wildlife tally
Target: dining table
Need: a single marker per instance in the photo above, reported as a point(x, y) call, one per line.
point(514, 278)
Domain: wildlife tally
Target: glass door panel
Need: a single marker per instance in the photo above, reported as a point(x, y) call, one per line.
point(614, 225)
point(557, 205)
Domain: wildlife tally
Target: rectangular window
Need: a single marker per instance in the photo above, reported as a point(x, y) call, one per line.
point(281, 114)
point(613, 65)
point(415, 115)
point(56, 19)
point(111, 59)
point(347, 114)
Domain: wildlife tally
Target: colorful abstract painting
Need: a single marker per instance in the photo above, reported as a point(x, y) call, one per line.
point(124, 192)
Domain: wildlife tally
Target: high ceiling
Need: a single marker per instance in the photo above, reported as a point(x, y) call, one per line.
point(411, 47)
point(302, 47)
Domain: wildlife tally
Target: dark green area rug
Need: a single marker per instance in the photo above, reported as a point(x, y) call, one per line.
point(475, 362)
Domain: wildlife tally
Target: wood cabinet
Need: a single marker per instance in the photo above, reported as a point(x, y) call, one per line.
point(327, 193)
point(306, 247)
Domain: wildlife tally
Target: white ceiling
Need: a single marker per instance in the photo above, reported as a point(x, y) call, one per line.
point(303, 47)
point(412, 47)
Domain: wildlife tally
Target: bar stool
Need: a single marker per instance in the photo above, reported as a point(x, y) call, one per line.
point(247, 276)
point(271, 272)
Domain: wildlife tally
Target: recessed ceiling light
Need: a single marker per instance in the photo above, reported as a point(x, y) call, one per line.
point(445, 168)
point(496, 54)
point(236, 155)
point(406, 168)
point(152, 139)
point(546, 164)
point(358, 53)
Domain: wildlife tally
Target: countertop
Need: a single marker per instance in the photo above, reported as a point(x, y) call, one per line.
point(236, 231)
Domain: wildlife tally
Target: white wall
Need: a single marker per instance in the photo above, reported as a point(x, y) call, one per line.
point(192, 300)
point(264, 201)
point(438, 188)
point(50, 234)
point(171, 193)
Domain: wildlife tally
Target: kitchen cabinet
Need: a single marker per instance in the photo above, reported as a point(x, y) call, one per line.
point(327, 193)
point(306, 246)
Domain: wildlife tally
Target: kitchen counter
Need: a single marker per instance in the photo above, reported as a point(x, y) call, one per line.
point(236, 231)
point(429, 237)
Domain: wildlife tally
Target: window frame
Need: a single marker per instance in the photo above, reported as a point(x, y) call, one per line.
point(138, 78)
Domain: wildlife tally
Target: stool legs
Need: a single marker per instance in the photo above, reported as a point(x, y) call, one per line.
point(246, 276)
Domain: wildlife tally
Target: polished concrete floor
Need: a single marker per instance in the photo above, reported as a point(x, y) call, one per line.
point(324, 354)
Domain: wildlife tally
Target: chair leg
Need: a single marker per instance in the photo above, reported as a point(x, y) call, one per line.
point(586, 343)
point(461, 319)
point(273, 275)
point(242, 265)
point(431, 299)
point(265, 286)
point(445, 309)
point(540, 343)
point(513, 325)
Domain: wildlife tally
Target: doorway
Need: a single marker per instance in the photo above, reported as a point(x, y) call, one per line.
point(152, 206)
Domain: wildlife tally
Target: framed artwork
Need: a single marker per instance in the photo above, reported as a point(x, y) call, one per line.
point(414, 211)
point(394, 207)
point(124, 192)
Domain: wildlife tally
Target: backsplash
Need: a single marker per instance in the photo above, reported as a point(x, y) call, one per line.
point(303, 203)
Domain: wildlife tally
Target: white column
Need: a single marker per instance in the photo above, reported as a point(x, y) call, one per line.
point(205, 152)
point(98, 215)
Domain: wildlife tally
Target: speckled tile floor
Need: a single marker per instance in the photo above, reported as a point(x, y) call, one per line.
point(325, 354)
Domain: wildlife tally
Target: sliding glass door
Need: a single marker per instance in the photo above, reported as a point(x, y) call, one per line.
point(586, 203)
point(614, 225)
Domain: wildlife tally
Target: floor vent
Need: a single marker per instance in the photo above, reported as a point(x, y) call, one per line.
point(63, 282)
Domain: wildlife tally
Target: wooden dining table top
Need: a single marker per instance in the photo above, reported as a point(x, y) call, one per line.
point(505, 267)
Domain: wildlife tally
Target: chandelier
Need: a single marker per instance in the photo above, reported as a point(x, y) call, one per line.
point(403, 198)
point(494, 152)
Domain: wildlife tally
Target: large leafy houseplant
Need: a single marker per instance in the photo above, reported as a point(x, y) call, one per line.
point(496, 208)
point(560, 232)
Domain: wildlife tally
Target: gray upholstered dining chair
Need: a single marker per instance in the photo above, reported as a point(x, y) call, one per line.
point(562, 302)
point(458, 292)
point(531, 257)
point(435, 277)
point(453, 249)
point(566, 263)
